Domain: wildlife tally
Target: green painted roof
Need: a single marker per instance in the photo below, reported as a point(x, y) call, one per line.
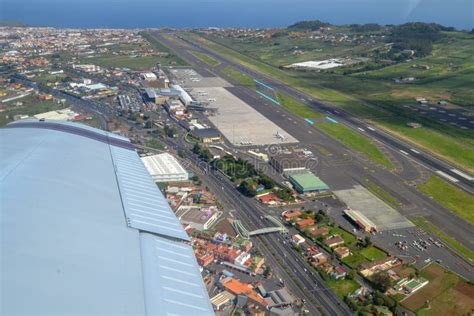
point(308, 181)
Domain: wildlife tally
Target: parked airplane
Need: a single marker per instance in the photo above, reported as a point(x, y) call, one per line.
point(280, 135)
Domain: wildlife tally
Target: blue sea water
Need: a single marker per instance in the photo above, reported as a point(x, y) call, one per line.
point(233, 13)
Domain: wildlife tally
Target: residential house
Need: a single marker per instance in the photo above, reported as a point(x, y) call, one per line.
point(334, 241)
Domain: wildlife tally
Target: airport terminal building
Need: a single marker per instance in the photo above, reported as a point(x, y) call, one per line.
point(85, 230)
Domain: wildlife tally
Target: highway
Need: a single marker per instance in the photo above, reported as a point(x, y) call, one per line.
point(458, 177)
point(102, 112)
point(251, 214)
point(343, 168)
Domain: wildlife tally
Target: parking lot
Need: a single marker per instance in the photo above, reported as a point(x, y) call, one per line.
point(423, 248)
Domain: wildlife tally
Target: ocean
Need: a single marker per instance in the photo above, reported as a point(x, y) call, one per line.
point(232, 13)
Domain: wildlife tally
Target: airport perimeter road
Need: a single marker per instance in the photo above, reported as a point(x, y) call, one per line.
point(458, 177)
point(309, 285)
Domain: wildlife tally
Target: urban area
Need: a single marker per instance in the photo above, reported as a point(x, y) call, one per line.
point(286, 211)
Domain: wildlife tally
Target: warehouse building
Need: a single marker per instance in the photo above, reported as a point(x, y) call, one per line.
point(183, 95)
point(306, 182)
point(287, 162)
point(360, 220)
point(165, 168)
point(207, 135)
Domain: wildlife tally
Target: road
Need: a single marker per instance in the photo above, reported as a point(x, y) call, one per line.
point(343, 168)
point(251, 214)
point(462, 179)
point(101, 111)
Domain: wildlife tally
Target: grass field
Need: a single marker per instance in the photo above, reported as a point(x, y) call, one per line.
point(355, 141)
point(449, 196)
point(345, 135)
point(206, 58)
point(172, 58)
point(239, 77)
point(425, 225)
point(349, 239)
point(374, 95)
point(47, 78)
point(298, 108)
point(373, 254)
point(364, 255)
point(344, 287)
point(354, 260)
point(445, 292)
point(457, 300)
point(381, 193)
point(154, 143)
point(31, 106)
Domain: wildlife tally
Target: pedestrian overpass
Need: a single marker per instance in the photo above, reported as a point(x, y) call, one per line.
point(244, 233)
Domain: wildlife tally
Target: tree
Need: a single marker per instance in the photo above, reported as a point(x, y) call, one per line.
point(149, 124)
point(139, 121)
point(170, 131)
point(320, 216)
point(284, 194)
point(246, 188)
point(367, 241)
point(266, 182)
point(308, 25)
point(267, 271)
point(382, 281)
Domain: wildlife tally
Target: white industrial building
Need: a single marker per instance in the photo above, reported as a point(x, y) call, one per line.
point(164, 168)
point(183, 95)
point(149, 76)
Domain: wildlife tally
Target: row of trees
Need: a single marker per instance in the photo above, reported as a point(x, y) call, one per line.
point(416, 36)
point(202, 152)
point(308, 25)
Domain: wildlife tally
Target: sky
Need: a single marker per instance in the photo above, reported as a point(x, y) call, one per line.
point(233, 13)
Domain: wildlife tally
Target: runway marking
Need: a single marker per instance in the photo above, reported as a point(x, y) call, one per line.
point(267, 97)
point(404, 152)
point(447, 176)
point(266, 86)
point(415, 151)
point(309, 121)
point(330, 119)
point(361, 129)
point(372, 129)
point(462, 174)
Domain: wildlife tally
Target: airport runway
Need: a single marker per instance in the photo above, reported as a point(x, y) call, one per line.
point(344, 168)
point(442, 168)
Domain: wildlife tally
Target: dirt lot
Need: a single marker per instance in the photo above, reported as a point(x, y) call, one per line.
point(458, 300)
point(224, 226)
point(447, 294)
